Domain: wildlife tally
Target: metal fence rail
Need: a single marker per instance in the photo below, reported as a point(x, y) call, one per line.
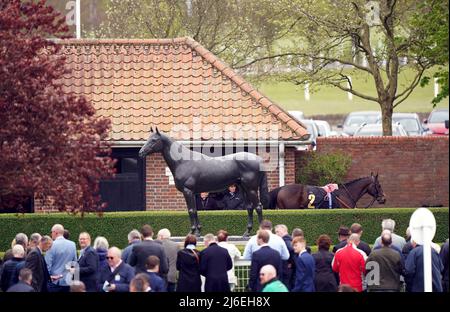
point(242, 271)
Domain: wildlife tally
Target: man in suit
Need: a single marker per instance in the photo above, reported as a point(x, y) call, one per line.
point(205, 202)
point(263, 256)
point(305, 267)
point(88, 263)
point(24, 284)
point(148, 247)
point(36, 263)
point(214, 264)
point(171, 249)
point(62, 253)
point(116, 277)
point(288, 274)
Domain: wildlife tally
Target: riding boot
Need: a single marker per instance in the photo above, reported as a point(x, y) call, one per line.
point(249, 223)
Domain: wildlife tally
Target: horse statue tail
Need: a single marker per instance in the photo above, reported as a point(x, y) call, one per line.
point(264, 191)
point(273, 198)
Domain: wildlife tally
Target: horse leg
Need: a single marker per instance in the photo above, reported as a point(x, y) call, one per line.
point(192, 211)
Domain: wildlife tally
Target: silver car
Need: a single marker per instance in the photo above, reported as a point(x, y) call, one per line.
point(355, 119)
point(377, 130)
point(410, 122)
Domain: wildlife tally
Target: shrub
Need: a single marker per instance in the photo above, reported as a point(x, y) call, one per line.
point(115, 226)
point(321, 169)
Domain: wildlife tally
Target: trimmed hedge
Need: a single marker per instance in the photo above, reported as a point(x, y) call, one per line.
point(115, 226)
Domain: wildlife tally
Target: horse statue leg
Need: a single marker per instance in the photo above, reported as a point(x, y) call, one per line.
point(192, 210)
point(252, 203)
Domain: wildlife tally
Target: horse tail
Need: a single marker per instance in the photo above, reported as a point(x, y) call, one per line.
point(273, 198)
point(264, 190)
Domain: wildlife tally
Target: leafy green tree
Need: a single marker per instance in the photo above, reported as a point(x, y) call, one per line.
point(432, 24)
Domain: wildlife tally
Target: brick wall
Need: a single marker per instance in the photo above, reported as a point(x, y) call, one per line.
point(162, 196)
point(413, 171)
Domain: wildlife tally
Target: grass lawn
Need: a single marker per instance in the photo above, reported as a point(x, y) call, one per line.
point(330, 100)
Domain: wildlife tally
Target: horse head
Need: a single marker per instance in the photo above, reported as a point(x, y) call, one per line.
point(154, 143)
point(375, 189)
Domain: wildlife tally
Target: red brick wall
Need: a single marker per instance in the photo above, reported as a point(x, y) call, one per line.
point(413, 172)
point(162, 196)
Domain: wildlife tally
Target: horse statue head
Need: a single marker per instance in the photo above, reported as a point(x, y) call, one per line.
point(375, 189)
point(154, 143)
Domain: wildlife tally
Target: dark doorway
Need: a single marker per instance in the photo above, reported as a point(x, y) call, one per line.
point(126, 191)
point(26, 206)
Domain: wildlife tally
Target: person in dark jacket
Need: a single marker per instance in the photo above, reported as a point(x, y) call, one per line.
point(134, 237)
point(7, 277)
point(305, 267)
point(388, 268)
point(414, 270)
point(214, 264)
point(88, 263)
point(188, 266)
point(101, 246)
point(36, 263)
point(157, 284)
point(263, 256)
point(356, 228)
point(444, 258)
point(233, 199)
point(288, 274)
point(118, 275)
point(343, 234)
point(24, 284)
point(148, 247)
point(205, 202)
point(325, 278)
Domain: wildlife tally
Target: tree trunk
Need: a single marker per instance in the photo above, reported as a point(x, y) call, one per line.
point(387, 108)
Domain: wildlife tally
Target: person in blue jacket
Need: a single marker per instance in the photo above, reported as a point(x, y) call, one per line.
point(305, 267)
point(116, 277)
point(414, 270)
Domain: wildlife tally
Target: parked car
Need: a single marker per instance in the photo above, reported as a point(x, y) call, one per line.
point(355, 119)
point(377, 130)
point(409, 121)
point(313, 130)
point(297, 115)
point(436, 122)
point(325, 128)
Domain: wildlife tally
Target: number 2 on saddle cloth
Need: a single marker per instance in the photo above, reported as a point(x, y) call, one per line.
point(321, 197)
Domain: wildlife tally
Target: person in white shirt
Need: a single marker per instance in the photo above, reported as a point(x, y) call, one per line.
point(233, 251)
point(275, 242)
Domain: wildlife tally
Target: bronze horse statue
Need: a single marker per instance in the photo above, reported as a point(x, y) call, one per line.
point(299, 196)
point(195, 172)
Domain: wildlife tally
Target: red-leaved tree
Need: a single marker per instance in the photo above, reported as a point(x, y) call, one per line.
point(51, 142)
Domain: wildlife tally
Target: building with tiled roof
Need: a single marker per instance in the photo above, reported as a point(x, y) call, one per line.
point(188, 93)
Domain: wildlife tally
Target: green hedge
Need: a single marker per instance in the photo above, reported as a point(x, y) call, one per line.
point(115, 226)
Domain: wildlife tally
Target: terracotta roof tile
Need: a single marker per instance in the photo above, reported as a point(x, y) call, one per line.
point(175, 84)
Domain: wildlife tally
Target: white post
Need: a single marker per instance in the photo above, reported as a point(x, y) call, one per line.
point(427, 274)
point(281, 173)
point(78, 18)
point(307, 96)
point(436, 87)
point(349, 94)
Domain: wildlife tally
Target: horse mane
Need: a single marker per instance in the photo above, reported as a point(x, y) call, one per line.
point(353, 181)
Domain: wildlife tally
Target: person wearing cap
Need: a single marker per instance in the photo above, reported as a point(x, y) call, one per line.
point(343, 235)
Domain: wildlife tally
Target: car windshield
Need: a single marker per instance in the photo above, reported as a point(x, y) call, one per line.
point(360, 119)
point(410, 124)
point(322, 129)
point(438, 117)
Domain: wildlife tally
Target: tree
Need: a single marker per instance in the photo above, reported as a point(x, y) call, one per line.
point(50, 141)
point(235, 30)
point(432, 24)
point(332, 36)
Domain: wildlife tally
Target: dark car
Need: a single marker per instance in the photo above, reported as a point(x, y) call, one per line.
point(436, 122)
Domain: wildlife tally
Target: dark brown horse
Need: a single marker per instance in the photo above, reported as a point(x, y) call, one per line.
point(299, 196)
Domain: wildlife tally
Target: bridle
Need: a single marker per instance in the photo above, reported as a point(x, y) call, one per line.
point(374, 198)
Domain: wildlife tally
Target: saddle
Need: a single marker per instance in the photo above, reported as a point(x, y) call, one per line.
point(321, 196)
